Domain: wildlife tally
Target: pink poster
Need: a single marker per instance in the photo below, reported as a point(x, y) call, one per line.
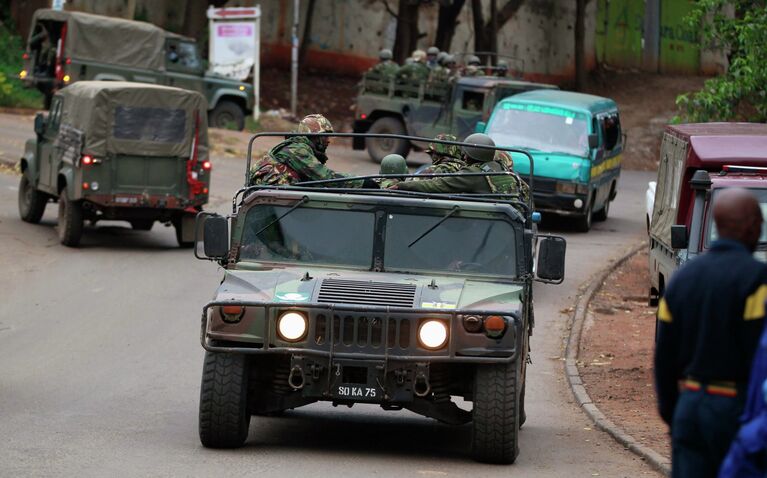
point(235, 30)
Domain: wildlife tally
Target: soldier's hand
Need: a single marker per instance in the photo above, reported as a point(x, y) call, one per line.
point(370, 184)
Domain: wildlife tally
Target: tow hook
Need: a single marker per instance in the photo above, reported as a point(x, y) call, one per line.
point(422, 387)
point(296, 378)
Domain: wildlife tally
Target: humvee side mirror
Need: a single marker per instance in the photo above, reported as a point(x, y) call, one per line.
point(39, 124)
point(551, 259)
point(679, 239)
point(480, 127)
point(215, 235)
point(593, 141)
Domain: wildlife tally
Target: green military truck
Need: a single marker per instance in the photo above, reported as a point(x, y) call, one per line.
point(386, 106)
point(395, 298)
point(67, 47)
point(112, 150)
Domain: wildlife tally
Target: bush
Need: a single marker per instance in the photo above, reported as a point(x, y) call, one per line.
point(12, 91)
point(739, 28)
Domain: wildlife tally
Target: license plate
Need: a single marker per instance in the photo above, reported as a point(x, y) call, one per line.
point(355, 392)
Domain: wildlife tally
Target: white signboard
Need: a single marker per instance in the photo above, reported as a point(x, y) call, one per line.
point(234, 44)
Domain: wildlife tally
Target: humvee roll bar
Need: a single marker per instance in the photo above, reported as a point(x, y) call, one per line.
point(462, 196)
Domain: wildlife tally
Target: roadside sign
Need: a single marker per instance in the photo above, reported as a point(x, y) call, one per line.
point(234, 45)
point(58, 4)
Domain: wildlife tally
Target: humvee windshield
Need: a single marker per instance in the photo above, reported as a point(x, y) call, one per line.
point(345, 237)
point(540, 127)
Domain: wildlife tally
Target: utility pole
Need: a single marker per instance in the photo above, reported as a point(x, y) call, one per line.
point(294, 59)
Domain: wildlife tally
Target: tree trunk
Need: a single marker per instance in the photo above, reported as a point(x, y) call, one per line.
point(446, 23)
point(305, 39)
point(407, 29)
point(580, 34)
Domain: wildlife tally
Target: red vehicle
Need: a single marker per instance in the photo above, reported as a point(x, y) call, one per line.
point(697, 160)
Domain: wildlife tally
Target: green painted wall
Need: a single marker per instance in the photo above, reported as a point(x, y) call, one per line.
point(679, 46)
point(619, 32)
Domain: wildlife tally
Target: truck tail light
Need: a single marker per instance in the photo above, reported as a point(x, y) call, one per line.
point(68, 61)
point(206, 165)
point(87, 160)
point(363, 116)
point(25, 56)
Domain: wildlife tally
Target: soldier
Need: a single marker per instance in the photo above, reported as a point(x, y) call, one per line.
point(506, 160)
point(416, 72)
point(386, 68)
point(473, 66)
point(445, 158)
point(392, 164)
point(432, 54)
point(300, 158)
point(501, 69)
point(478, 160)
point(452, 70)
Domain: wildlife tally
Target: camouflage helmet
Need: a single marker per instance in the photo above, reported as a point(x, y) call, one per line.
point(315, 123)
point(473, 60)
point(432, 51)
point(449, 150)
point(449, 60)
point(480, 155)
point(441, 57)
point(419, 56)
point(385, 54)
point(393, 164)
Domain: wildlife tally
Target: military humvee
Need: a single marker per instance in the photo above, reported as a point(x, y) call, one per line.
point(395, 298)
point(118, 150)
point(66, 47)
point(386, 107)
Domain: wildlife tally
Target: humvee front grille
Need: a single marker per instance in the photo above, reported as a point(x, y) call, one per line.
point(363, 331)
point(339, 291)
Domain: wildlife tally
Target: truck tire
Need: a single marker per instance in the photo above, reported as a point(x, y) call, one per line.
point(31, 201)
point(378, 148)
point(227, 114)
point(70, 220)
point(601, 215)
point(142, 224)
point(224, 418)
point(495, 434)
point(178, 226)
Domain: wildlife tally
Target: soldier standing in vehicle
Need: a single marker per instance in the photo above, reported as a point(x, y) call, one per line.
point(300, 158)
point(416, 71)
point(478, 160)
point(392, 164)
point(501, 69)
point(473, 66)
point(709, 323)
point(386, 67)
point(445, 158)
point(432, 54)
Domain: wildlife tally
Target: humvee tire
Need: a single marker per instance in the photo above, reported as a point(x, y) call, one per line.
point(142, 224)
point(224, 417)
point(31, 201)
point(225, 114)
point(495, 427)
point(70, 220)
point(378, 148)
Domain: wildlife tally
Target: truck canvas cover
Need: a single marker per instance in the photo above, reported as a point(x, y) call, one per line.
point(136, 119)
point(109, 40)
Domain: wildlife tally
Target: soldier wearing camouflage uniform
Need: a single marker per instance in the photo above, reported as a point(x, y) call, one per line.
point(385, 68)
point(432, 54)
point(501, 69)
point(505, 159)
point(416, 72)
point(445, 158)
point(478, 160)
point(473, 66)
point(392, 164)
point(299, 158)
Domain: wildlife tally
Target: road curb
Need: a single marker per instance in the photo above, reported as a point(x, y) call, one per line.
point(576, 321)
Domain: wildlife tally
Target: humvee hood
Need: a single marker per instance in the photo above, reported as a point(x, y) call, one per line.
point(334, 286)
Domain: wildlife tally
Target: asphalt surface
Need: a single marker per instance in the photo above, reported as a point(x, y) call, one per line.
point(100, 361)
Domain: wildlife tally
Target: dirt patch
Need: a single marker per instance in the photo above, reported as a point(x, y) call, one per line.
point(616, 354)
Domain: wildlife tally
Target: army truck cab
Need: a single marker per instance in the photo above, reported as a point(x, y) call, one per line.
point(426, 109)
point(697, 161)
point(576, 140)
point(118, 151)
point(394, 298)
point(67, 47)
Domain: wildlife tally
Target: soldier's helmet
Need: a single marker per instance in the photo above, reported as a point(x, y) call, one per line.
point(449, 150)
point(393, 164)
point(432, 51)
point(449, 60)
point(503, 65)
point(315, 123)
point(473, 60)
point(385, 54)
point(419, 56)
point(480, 155)
point(441, 58)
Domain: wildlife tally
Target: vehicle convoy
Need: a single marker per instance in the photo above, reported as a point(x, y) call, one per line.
point(576, 141)
point(429, 297)
point(67, 47)
point(118, 151)
point(697, 161)
point(385, 106)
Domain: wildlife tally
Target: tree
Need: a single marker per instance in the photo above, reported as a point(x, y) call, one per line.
point(447, 20)
point(486, 34)
point(580, 44)
point(407, 35)
point(738, 93)
point(306, 38)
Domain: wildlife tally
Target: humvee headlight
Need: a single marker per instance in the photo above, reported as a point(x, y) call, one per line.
point(432, 334)
point(292, 326)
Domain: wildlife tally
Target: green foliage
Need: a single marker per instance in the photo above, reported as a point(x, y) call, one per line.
point(12, 91)
point(739, 28)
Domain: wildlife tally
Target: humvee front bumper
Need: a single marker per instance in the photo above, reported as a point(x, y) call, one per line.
point(358, 353)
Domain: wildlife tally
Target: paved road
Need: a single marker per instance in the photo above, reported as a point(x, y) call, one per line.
point(100, 364)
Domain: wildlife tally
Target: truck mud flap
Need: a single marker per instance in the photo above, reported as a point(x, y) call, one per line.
point(187, 227)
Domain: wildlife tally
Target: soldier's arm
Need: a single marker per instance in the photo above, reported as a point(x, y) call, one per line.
point(303, 159)
point(447, 184)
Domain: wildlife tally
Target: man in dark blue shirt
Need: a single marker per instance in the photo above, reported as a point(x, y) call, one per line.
point(710, 320)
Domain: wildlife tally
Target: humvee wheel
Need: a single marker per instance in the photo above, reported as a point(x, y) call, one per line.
point(70, 220)
point(380, 147)
point(495, 434)
point(31, 201)
point(227, 114)
point(224, 417)
point(142, 224)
